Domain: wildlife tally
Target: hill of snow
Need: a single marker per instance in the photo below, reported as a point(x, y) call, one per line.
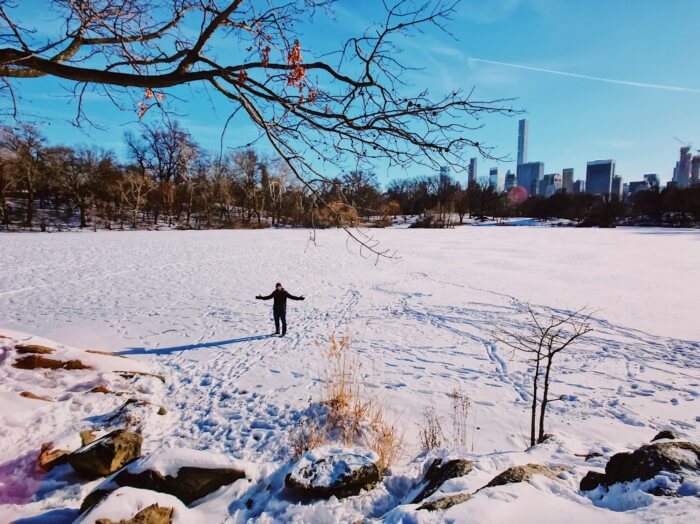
point(181, 305)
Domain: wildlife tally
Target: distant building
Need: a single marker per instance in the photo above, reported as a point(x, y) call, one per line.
point(695, 170)
point(653, 180)
point(529, 175)
point(625, 190)
point(579, 187)
point(550, 184)
point(599, 177)
point(495, 178)
point(510, 181)
point(616, 187)
point(636, 187)
point(683, 166)
point(445, 179)
point(567, 180)
point(471, 171)
point(522, 140)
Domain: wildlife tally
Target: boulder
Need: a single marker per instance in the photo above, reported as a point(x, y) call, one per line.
point(137, 506)
point(592, 480)
point(522, 474)
point(49, 457)
point(666, 434)
point(153, 514)
point(186, 474)
point(645, 463)
point(333, 471)
point(445, 502)
point(188, 484)
point(439, 472)
point(33, 349)
point(650, 460)
point(40, 362)
point(107, 454)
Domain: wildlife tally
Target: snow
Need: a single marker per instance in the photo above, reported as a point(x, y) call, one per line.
point(168, 462)
point(181, 305)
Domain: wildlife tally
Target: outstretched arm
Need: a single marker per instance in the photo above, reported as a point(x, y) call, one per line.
point(268, 297)
point(292, 297)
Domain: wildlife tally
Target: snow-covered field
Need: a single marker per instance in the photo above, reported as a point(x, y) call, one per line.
point(423, 325)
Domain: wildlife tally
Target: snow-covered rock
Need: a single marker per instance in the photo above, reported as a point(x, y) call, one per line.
point(107, 454)
point(125, 503)
point(334, 471)
point(186, 474)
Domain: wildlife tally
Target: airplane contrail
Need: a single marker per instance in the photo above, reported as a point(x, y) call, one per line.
point(589, 77)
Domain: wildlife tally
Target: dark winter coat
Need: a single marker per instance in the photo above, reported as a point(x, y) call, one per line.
point(280, 299)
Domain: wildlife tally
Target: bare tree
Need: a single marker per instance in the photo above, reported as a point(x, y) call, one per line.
point(313, 106)
point(547, 335)
point(25, 146)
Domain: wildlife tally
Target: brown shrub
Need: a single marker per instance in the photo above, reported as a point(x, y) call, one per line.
point(353, 417)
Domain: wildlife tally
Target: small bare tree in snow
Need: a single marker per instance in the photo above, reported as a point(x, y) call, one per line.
point(547, 335)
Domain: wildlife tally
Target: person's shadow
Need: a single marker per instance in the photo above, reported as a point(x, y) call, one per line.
point(188, 347)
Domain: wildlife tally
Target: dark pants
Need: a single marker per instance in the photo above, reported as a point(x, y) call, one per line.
point(280, 316)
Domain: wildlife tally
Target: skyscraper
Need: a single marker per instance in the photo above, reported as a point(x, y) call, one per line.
point(599, 175)
point(522, 141)
point(567, 180)
point(682, 171)
point(495, 178)
point(653, 180)
point(579, 187)
point(471, 171)
point(444, 178)
point(529, 175)
point(695, 170)
point(510, 182)
point(616, 187)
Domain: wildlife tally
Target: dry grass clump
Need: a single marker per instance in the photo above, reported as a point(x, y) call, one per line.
point(352, 417)
point(430, 432)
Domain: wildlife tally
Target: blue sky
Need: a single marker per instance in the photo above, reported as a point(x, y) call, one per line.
point(572, 119)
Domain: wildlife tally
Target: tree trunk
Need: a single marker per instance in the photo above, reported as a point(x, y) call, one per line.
point(545, 392)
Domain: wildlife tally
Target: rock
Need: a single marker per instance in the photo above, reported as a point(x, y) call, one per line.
point(131, 374)
point(87, 437)
point(100, 389)
point(592, 480)
point(205, 473)
point(645, 463)
point(439, 472)
point(190, 483)
point(650, 460)
point(333, 471)
point(154, 514)
point(49, 457)
point(446, 502)
point(522, 474)
point(666, 434)
point(35, 349)
point(41, 362)
point(107, 454)
point(33, 396)
point(105, 353)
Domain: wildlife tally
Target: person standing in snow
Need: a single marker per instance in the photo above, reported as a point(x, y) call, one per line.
point(279, 308)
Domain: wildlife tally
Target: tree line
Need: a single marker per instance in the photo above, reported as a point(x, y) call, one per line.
point(171, 180)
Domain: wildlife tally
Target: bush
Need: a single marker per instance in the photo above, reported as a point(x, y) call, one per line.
point(350, 415)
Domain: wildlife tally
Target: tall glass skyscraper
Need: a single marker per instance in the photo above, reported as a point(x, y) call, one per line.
point(522, 141)
point(567, 180)
point(529, 175)
point(599, 177)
